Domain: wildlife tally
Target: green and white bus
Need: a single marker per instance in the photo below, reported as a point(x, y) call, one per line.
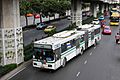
point(54, 51)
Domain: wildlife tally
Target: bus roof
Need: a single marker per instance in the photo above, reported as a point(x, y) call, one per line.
point(60, 38)
point(90, 27)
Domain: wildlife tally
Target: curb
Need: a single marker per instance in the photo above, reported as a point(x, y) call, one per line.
point(16, 71)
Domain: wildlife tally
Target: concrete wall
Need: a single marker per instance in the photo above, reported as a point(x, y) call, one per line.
point(11, 37)
point(11, 13)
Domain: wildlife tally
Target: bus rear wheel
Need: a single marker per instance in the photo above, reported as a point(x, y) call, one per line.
point(95, 43)
point(81, 51)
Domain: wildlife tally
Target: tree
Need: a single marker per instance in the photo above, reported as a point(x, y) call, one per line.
point(63, 6)
point(46, 7)
point(25, 8)
point(38, 7)
point(50, 7)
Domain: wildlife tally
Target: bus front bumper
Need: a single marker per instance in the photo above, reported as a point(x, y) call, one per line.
point(41, 65)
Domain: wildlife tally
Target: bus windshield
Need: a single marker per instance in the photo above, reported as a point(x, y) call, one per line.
point(44, 54)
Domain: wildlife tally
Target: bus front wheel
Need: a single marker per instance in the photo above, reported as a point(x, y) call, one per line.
point(64, 62)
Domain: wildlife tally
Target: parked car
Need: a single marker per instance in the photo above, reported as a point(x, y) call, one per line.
point(50, 29)
point(41, 26)
point(107, 30)
point(95, 21)
point(101, 18)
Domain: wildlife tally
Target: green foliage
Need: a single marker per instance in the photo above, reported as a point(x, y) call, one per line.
point(45, 6)
point(37, 6)
point(63, 6)
point(28, 52)
point(0, 56)
point(25, 7)
point(72, 26)
point(88, 20)
point(7, 68)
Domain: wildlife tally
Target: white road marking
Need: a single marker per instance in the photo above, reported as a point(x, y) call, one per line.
point(16, 73)
point(90, 53)
point(78, 74)
point(85, 62)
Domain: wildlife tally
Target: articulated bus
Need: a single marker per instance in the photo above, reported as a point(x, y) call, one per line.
point(54, 51)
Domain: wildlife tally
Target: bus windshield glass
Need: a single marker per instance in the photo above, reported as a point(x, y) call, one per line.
point(44, 54)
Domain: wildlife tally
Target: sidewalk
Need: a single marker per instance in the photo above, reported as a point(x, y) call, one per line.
point(16, 71)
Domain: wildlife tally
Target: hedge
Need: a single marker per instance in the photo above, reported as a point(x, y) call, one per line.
point(28, 52)
point(88, 20)
point(6, 69)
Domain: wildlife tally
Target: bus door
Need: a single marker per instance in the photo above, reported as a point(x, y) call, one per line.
point(86, 37)
point(92, 37)
point(89, 39)
point(57, 57)
point(77, 43)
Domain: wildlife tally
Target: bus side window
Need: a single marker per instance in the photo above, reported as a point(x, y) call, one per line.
point(89, 35)
point(72, 42)
point(68, 45)
point(97, 31)
point(81, 39)
point(92, 35)
point(77, 43)
point(63, 47)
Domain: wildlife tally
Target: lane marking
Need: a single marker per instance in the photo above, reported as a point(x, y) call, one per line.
point(78, 74)
point(16, 73)
point(94, 47)
point(85, 62)
point(90, 53)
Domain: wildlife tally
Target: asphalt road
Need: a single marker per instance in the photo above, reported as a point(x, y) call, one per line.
point(97, 63)
point(31, 35)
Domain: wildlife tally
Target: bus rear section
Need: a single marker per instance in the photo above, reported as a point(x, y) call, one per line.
point(92, 34)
